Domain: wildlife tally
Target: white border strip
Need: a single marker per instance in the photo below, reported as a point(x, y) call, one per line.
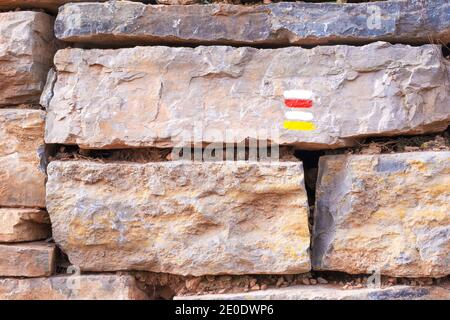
point(298, 94)
point(299, 115)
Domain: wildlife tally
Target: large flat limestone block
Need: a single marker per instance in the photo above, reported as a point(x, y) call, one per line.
point(18, 225)
point(126, 23)
point(329, 292)
point(164, 96)
point(22, 178)
point(386, 213)
point(49, 5)
point(84, 287)
point(181, 217)
point(27, 46)
point(34, 259)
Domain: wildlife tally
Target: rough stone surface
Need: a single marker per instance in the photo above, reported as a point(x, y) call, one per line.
point(181, 217)
point(35, 259)
point(328, 292)
point(166, 96)
point(389, 213)
point(17, 225)
point(130, 23)
point(27, 47)
point(178, 2)
point(22, 179)
point(49, 5)
point(84, 287)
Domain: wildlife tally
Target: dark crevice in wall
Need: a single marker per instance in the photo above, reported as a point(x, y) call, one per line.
point(22, 106)
point(19, 8)
point(62, 262)
point(130, 43)
point(215, 152)
point(396, 144)
point(310, 161)
point(446, 50)
point(165, 286)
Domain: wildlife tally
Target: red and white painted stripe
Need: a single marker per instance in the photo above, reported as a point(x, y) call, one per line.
point(298, 120)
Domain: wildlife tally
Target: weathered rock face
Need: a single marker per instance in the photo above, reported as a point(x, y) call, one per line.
point(22, 180)
point(328, 292)
point(32, 4)
point(49, 5)
point(122, 22)
point(389, 213)
point(85, 287)
point(181, 217)
point(178, 2)
point(26, 52)
point(34, 259)
point(167, 96)
point(17, 225)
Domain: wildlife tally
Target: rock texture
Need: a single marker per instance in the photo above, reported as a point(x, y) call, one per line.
point(17, 225)
point(22, 178)
point(178, 2)
point(328, 292)
point(84, 287)
point(49, 5)
point(126, 23)
point(167, 96)
point(26, 51)
point(34, 259)
point(389, 213)
point(181, 217)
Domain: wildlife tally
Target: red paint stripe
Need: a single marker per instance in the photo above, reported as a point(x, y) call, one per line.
point(298, 103)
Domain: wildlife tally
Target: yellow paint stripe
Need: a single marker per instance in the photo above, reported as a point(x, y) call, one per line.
point(299, 125)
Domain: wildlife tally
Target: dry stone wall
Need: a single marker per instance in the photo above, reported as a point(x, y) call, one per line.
point(216, 151)
point(28, 259)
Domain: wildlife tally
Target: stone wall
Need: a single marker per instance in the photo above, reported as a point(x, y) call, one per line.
point(286, 150)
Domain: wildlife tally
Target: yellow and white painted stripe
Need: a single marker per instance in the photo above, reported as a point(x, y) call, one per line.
point(295, 119)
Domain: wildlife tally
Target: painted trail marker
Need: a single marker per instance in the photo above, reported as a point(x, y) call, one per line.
point(298, 120)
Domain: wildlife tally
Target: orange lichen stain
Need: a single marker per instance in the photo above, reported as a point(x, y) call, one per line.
point(441, 189)
point(418, 165)
point(362, 166)
point(326, 180)
point(437, 215)
point(396, 214)
point(295, 249)
point(298, 230)
point(335, 165)
point(78, 230)
point(295, 253)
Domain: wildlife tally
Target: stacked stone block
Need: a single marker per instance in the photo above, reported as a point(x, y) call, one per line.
point(27, 256)
point(397, 203)
point(26, 50)
point(136, 81)
point(181, 217)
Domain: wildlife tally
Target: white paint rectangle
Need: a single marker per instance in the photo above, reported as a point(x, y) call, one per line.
point(299, 115)
point(298, 95)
